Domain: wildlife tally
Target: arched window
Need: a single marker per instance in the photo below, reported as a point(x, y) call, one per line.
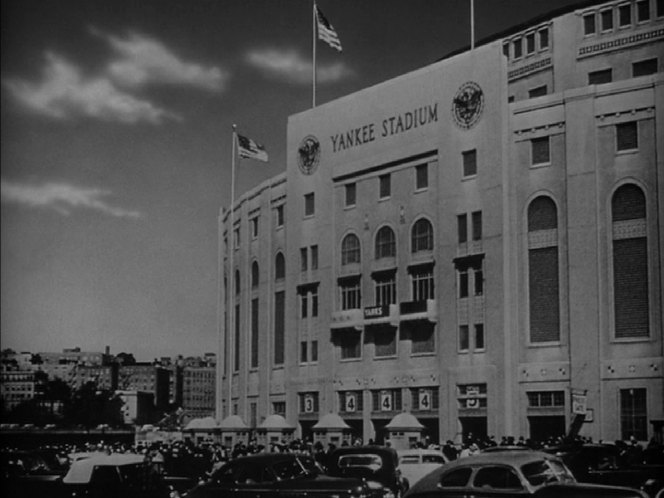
point(421, 237)
point(630, 262)
point(350, 249)
point(237, 281)
point(279, 267)
point(254, 275)
point(543, 272)
point(386, 246)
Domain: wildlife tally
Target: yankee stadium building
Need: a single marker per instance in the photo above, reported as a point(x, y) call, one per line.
point(472, 247)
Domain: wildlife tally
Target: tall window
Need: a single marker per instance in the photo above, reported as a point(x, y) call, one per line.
point(606, 18)
point(254, 333)
point(304, 304)
point(279, 218)
point(279, 327)
point(350, 345)
point(386, 245)
point(279, 267)
point(634, 414)
point(462, 228)
point(530, 43)
point(385, 341)
point(517, 48)
point(630, 262)
point(385, 285)
point(309, 204)
point(314, 257)
point(543, 282)
point(469, 162)
point(351, 191)
point(422, 236)
point(351, 297)
point(540, 152)
point(589, 25)
point(254, 227)
point(303, 259)
point(423, 284)
point(643, 10)
point(627, 136)
point(625, 15)
point(350, 249)
point(385, 185)
point(237, 281)
point(477, 225)
point(421, 176)
point(254, 275)
point(236, 346)
point(544, 38)
point(423, 338)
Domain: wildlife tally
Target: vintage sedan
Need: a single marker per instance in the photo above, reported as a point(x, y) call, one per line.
point(268, 475)
point(378, 465)
point(511, 473)
point(414, 464)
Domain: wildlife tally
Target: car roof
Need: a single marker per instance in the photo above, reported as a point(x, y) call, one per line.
point(267, 457)
point(81, 470)
point(516, 458)
point(419, 451)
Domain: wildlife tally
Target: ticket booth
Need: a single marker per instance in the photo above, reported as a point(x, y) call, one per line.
point(331, 429)
point(233, 431)
point(403, 431)
point(274, 430)
point(200, 430)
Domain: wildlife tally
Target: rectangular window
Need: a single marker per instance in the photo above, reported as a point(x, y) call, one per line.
point(540, 151)
point(660, 8)
point(385, 182)
point(546, 399)
point(385, 339)
point(314, 302)
point(479, 336)
point(308, 402)
point(517, 48)
point(421, 176)
point(477, 225)
point(304, 304)
point(544, 39)
point(309, 206)
point(627, 136)
point(479, 281)
point(634, 414)
point(350, 295)
point(279, 407)
point(643, 10)
point(314, 351)
point(423, 284)
point(462, 228)
point(606, 18)
point(279, 326)
point(386, 289)
point(423, 339)
point(351, 191)
point(530, 43)
point(589, 26)
point(304, 356)
point(279, 216)
point(236, 358)
point(625, 15)
point(254, 227)
point(644, 68)
point(303, 259)
point(464, 339)
point(236, 238)
point(600, 76)
point(469, 162)
point(314, 257)
point(350, 345)
point(463, 283)
point(506, 50)
point(254, 333)
point(537, 92)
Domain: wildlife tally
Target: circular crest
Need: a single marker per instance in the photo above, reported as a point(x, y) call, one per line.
point(308, 154)
point(467, 105)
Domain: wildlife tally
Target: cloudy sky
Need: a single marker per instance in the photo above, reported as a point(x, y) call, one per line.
point(116, 144)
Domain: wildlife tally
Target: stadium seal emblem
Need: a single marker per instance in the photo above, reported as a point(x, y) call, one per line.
point(467, 105)
point(308, 154)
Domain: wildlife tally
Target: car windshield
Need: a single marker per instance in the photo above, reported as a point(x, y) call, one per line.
point(544, 471)
point(368, 461)
point(433, 459)
point(297, 467)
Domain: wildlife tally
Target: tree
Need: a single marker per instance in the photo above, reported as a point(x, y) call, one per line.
point(91, 407)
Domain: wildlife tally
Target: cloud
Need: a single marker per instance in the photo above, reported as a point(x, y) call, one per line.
point(64, 93)
point(143, 61)
point(61, 197)
point(289, 65)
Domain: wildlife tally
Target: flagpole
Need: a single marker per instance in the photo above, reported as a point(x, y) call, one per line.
point(231, 279)
point(313, 44)
point(472, 24)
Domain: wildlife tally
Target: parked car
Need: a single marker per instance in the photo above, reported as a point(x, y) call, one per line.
point(511, 473)
point(379, 465)
point(416, 463)
point(604, 464)
point(276, 475)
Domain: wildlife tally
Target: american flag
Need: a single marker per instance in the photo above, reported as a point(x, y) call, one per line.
point(249, 149)
point(326, 31)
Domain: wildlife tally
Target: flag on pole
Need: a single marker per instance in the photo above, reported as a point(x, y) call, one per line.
point(249, 149)
point(326, 31)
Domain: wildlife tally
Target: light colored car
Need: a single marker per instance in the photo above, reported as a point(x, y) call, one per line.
point(416, 463)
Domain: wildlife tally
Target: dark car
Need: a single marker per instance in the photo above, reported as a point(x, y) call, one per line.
point(513, 474)
point(378, 465)
point(276, 475)
point(610, 464)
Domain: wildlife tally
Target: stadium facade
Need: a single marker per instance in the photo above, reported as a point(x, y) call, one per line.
point(477, 243)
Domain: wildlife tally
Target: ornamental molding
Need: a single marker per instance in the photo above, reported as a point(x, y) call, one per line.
point(620, 43)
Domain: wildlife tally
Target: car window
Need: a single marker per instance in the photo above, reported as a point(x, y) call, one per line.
point(250, 474)
point(410, 459)
point(368, 461)
point(105, 476)
point(497, 478)
point(456, 478)
point(433, 459)
point(226, 474)
point(288, 469)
